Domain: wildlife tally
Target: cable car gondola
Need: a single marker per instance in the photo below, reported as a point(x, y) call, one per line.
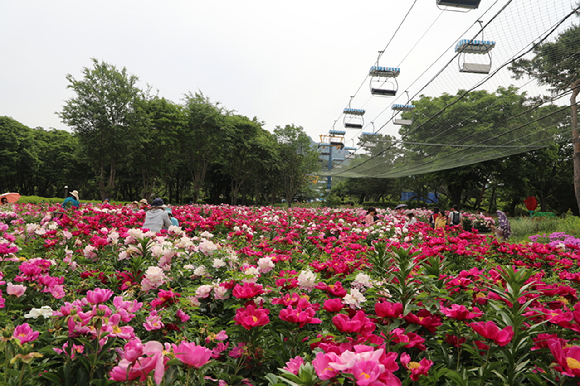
point(384, 79)
point(398, 107)
point(466, 4)
point(467, 49)
point(353, 118)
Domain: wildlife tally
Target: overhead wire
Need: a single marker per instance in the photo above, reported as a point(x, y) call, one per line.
point(479, 83)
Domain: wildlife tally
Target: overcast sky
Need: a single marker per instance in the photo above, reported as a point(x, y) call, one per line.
point(283, 62)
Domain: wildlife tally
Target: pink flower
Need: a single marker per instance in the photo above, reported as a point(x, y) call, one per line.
point(322, 366)
point(191, 354)
point(294, 364)
point(133, 350)
point(358, 324)
point(153, 322)
point(16, 290)
point(489, 330)
point(99, 295)
point(416, 368)
point(299, 315)
point(25, 333)
point(567, 357)
point(389, 310)
point(460, 312)
point(182, 316)
point(57, 291)
point(248, 290)
point(367, 372)
point(250, 316)
point(238, 351)
point(332, 305)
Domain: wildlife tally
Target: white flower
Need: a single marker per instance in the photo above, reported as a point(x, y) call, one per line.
point(362, 280)
point(203, 291)
point(206, 235)
point(44, 311)
point(265, 264)
point(354, 299)
point(254, 273)
point(207, 247)
point(307, 280)
point(218, 263)
point(200, 271)
point(155, 275)
point(135, 233)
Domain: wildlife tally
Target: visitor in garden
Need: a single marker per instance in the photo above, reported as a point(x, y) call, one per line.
point(441, 220)
point(455, 216)
point(144, 204)
point(71, 201)
point(411, 219)
point(4, 201)
point(156, 218)
point(135, 206)
point(433, 217)
point(173, 219)
point(371, 216)
point(503, 231)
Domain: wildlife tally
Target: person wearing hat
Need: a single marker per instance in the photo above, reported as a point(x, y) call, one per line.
point(71, 201)
point(156, 217)
point(412, 219)
point(135, 206)
point(144, 204)
point(173, 219)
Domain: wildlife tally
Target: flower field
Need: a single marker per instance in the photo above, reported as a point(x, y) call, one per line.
point(269, 296)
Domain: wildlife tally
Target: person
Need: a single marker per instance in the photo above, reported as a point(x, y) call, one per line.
point(433, 217)
point(144, 204)
point(411, 219)
point(4, 201)
point(156, 217)
point(455, 216)
point(135, 206)
point(173, 219)
point(72, 201)
point(441, 220)
point(371, 216)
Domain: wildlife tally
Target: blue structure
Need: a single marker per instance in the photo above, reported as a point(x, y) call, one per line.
point(430, 199)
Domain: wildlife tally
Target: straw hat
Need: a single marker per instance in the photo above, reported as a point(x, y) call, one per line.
point(75, 194)
point(143, 201)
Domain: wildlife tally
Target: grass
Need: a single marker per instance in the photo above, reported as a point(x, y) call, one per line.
point(524, 227)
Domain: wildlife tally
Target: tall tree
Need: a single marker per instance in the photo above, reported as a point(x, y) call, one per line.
point(104, 115)
point(18, 156)
point(201, 138)
point(297, 159)
point(557, 65)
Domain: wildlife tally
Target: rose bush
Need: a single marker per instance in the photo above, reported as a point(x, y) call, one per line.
point(268, 296)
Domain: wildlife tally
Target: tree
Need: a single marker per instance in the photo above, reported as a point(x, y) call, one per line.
point(18, 157)
point(557, 65)
point(104, 116)
point(297, 159)
point(154, 146)
point(201, 138)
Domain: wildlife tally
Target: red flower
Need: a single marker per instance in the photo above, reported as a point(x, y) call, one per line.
point(248, 290)
point(567, 357)
point(359, 323)
point(416, 368)
point(489, 330)
point(460, 312)
point(332, 305)
point(425, 319)
point(250, 316)
point(389, 310)
point(299, 315)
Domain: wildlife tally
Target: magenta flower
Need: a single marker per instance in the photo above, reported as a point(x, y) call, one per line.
point(460, 312)
point(299, 315)
point(416, 368)
point(191, 354)
point(25, 333)
point(182, 316)
point(358, 324)
point(248, 290)
point(389, 310)
point(99, 295)
point(294, 364)
point(153, 322)
point(250, 316)
point(332, 305)
point(568, 358)
point(489, 330)
point(16, 290)
point(133, 350)
point(57, 291)
point(322, 366)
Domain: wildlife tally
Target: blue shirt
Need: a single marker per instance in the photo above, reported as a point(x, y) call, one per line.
point(69, 202)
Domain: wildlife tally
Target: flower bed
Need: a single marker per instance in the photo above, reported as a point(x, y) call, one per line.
point(268, 296)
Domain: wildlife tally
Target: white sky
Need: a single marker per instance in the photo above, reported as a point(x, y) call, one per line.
point(283, 62)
